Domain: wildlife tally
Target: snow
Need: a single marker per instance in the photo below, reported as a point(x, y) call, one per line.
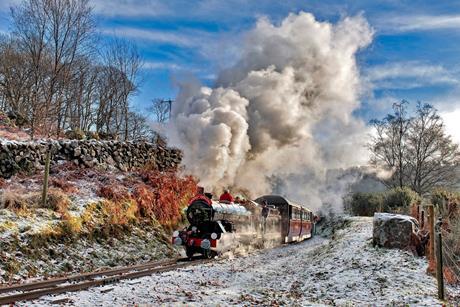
point(388, 216)
point(343, 270)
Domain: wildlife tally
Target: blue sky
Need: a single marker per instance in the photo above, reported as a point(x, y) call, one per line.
point(414, 54)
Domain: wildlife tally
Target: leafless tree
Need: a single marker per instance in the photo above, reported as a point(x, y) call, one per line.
point(125, 61)
point(161, 109)
point(432, 157)
point(417, 150)
point(51, 35)
point(50, 73)
point(389, 145)
point(138, 127)
point(15, 81)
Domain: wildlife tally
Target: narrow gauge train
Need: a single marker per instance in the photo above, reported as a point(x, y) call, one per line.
point(216, 227)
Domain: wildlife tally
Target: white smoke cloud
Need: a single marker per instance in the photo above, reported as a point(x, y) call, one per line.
point(281, 117)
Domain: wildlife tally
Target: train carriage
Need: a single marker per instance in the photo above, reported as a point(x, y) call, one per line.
point(297, 220)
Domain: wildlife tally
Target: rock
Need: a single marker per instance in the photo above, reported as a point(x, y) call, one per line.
point(396, 231)
point(77, 151)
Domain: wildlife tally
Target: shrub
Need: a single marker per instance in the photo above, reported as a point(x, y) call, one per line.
point(63, 184)
point(76, 134)
point(399, 200)
point(365, 204)
point(171, 195)
point(57, 201)
point(15, 200)
point(71, 225)
point(447, 202)
point(114, 192)
point(146, 200)
point(92, 135)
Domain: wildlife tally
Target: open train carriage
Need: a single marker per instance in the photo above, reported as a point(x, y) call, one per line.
point(297, 221)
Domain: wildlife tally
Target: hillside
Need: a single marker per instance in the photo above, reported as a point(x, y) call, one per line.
point(116, 210)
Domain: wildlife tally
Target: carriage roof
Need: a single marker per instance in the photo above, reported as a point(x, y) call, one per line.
point(280, 201)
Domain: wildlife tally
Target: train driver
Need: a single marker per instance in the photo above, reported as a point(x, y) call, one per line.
point(226, 197)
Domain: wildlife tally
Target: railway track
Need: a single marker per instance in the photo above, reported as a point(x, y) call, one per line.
point(34, 290)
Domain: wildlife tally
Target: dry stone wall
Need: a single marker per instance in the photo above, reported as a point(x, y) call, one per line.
point(30, 156)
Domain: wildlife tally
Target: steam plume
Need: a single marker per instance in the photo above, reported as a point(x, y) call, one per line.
point(281, 117)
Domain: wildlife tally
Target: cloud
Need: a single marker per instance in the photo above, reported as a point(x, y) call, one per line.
point(168, 37)
point(130, 8)
point(408, 75)
point(6, 4)
point(408, 23)
point(452, 123)
point(217, 49)
point(151, 65)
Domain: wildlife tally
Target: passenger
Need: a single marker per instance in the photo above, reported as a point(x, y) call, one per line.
point(237, 200)
point(226, 197)
point(265, 209)
point(265, 212)
point(208, 195)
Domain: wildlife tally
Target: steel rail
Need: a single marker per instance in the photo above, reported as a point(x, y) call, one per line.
point(127, 273)
point(79, 277)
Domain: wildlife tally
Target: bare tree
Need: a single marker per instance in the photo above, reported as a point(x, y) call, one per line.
point(51, 34)
point(161, 109)
point(125, 60)
point(416, 150)
point(432, 157)
point(15, 81)
point(50, 74)
point(389, 145)
point(139, 129)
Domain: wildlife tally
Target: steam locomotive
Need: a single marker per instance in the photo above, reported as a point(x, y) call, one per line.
point(216, 227)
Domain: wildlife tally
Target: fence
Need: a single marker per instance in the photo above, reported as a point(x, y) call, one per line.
point(443, 250)
point(451, 257)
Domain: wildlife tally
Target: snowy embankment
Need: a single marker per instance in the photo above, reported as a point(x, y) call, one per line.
point(345, 270)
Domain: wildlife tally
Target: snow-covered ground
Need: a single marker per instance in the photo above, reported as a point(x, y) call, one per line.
point(344, 270)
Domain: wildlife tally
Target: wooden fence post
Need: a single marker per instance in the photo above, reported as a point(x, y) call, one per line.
point(439, 266)
point(430, 217)
point(45, 179)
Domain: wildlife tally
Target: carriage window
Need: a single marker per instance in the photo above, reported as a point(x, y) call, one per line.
point(295, 213)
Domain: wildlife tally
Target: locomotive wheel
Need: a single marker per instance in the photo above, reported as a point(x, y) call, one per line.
point(208, 254)
point(189, 251)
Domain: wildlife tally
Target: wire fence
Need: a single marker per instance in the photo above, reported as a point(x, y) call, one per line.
point(451, 258)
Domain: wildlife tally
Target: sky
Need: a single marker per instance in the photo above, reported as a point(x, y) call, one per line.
point(414, 54)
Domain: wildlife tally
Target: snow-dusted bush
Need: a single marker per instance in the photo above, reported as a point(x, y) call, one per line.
point(399, 200)
point(447, 202)
point(365, 204)
point(14, 200)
